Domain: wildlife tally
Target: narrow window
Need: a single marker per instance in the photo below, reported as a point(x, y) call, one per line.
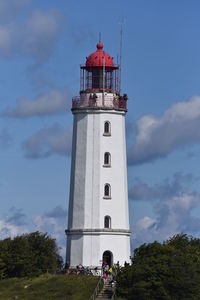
point(107, 159)
point(107, 190)
point(107, 129)
point(107, 222)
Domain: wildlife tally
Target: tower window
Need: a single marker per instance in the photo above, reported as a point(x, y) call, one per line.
point(107, 222)
point(107, 128)
point(107, 159)
point(107, 191)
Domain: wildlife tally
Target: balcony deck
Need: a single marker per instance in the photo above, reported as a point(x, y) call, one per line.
point(99, 102)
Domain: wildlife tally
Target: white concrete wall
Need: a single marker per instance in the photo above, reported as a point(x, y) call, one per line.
point(91, 250)
point(92, 171)
point(119, 245)
point(116, 175)
point(78, 169)
point(87, 206)
point(88, 249)
point(75, 254)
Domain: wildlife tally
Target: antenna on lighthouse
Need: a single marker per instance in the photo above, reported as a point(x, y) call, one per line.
point(120, 66)
point(103, 76)
point(103, 69)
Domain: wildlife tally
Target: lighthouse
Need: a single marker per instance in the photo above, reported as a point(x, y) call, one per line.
point(98, 219)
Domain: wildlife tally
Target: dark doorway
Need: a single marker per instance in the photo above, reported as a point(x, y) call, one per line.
point(108, 258)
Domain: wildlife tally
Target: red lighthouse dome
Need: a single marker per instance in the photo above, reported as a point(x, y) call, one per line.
point(99, 83)
point(99, 58)
point(99, 74)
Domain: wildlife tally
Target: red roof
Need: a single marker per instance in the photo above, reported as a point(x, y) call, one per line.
point(97, 58)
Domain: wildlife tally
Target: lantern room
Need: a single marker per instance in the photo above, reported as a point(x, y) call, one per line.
point(99, 74)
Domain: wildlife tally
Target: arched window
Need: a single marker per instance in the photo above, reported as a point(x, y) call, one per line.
point(107, 222)
point(107, 190)
point(107, 159)
point(107, 128)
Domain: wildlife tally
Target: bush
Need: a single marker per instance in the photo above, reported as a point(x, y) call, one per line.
point(28, 255)
point(163, 271)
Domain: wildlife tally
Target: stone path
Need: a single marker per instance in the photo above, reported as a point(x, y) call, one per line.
point(106, 292)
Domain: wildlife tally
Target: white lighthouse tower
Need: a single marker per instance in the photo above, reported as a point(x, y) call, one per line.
point(98, 219)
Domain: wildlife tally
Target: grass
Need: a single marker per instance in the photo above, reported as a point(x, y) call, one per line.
point(48, 287)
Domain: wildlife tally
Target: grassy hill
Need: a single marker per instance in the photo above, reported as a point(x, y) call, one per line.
point(48, 287)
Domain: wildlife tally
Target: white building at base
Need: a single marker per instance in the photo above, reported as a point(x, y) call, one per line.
point(98, 218)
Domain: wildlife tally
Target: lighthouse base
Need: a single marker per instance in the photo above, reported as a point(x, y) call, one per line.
point(93, 248)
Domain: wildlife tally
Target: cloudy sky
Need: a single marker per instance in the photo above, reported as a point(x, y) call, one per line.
point(42, 44)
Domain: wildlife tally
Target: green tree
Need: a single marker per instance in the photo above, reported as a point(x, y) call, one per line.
point(2, 269)
point(163, 271)
point(28, 255)
point(45, 252)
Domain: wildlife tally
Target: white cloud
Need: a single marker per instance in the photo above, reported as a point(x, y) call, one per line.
point(13, 224)
point(57, 212)
point(10, 230)
point(157, 137)
point(53, 222)
point(35, 37)
point(49, 141)
point(51, 103)
point(173, 212)
point(145, 223)
point(5, 138)
point(10, 8)
point(164, 190)
point(41, 33)
point(173, 217)
point(5, 40)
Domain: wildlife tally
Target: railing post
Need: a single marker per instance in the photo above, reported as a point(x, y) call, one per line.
point(96, 290)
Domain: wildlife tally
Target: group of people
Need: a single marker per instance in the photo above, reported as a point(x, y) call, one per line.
point(107, 273)
point(80, 269)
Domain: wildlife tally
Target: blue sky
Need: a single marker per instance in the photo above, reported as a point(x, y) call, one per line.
point(42, 44)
